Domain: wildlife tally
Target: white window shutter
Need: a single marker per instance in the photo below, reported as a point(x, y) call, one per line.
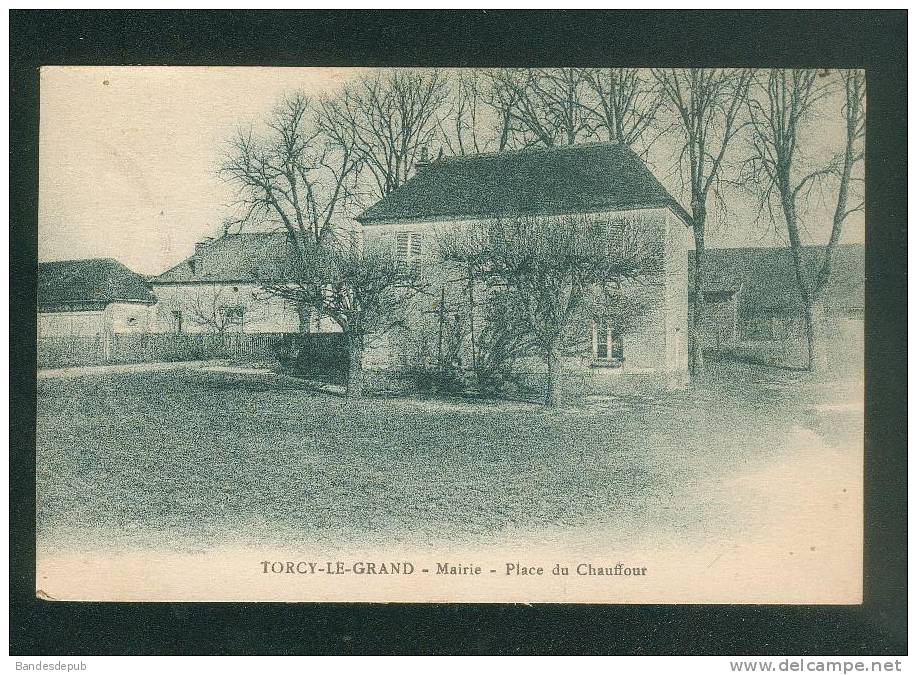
point(401, 245)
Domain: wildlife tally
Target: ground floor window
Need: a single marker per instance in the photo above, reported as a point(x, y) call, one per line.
point(233, 315)
point(607, 343)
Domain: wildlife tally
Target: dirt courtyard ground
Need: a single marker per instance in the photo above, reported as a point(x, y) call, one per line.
point(189, 461)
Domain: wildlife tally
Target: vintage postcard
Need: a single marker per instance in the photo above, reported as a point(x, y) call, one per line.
point(578, 335)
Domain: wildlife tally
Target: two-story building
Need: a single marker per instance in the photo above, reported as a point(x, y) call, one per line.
point(604, 182)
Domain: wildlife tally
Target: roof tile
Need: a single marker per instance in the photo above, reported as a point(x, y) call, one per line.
point(245, 257)
point(94, 280)
point(767, 278)
point(561, 180)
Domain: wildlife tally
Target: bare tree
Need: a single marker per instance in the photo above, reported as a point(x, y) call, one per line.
point(365, 290)
point(500, 93)
point(563, 106)
point(210, 308)
point(785, 102)
point(541, 106)
point(707, 105)
point(389, 118)
point(556, 278)
point(622, 102)
point(296, 176)
point(464, 125)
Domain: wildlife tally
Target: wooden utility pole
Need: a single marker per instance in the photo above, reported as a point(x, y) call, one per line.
point(474, 363)
point(442, 310)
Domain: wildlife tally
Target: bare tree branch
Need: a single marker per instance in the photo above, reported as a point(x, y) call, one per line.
point(539, 106)
point(387, 118)
point(622, 103)
point(784, 102)
point(707, 104)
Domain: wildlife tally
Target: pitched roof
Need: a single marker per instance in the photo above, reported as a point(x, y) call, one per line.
point(767, 277)
point(727, 268)
point(97, 280)
point(246, 257)
point(562, 180)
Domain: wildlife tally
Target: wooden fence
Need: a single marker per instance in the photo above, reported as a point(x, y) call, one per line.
point(62, 352)
point(320, 356)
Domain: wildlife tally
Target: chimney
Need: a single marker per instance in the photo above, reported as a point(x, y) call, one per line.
point(423, 161)
point(196, 261)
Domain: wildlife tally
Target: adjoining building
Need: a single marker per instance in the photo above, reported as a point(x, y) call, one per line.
point(752, 294)
point(93, 297)
point(221, 287)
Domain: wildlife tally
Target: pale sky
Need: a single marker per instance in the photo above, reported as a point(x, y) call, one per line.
point(128, 157)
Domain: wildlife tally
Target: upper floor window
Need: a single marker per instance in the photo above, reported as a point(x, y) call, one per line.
point(409, 250)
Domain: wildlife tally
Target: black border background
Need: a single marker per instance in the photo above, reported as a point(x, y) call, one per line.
point(874, 40)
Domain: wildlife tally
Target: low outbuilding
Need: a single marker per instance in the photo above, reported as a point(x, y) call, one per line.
point(92, 297)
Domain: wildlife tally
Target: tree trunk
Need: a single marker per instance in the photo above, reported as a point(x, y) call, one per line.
point(305, 317)
point(792, 227)
point(814, 318)
point(474, 360)
point(699, 309)
point(809, 325)
point(552, 395)
point(354, 368)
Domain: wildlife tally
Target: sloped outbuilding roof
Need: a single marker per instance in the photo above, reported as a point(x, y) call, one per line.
point(727, 269)
point(99, 280)
point(767, 277)
point(246, 257)
point(562, 180)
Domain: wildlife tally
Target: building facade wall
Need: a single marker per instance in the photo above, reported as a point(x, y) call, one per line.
point(113, 318)
point(657, 346)
point(78, 324)
point(229, 307)
point(128, 317)
point(677, 238)
point(656, 353)
point(720, 326)
point(786, 325)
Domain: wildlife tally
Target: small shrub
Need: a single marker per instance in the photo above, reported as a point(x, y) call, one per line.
point(431, 381)
point(316, 356)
